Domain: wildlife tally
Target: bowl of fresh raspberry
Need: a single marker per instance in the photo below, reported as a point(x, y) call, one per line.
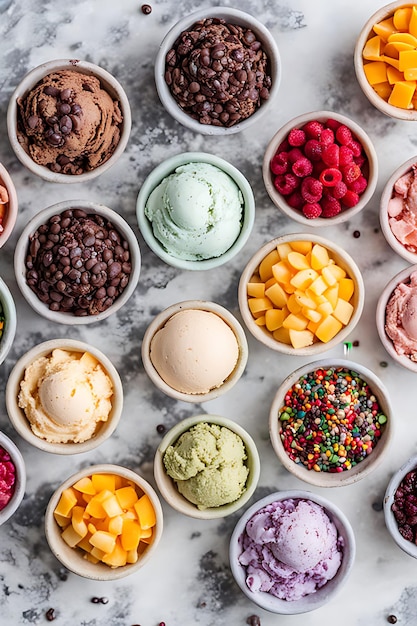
point(400, 507)
point(320, 168)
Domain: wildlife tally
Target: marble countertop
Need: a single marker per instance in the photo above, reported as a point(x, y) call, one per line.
point(189, 581)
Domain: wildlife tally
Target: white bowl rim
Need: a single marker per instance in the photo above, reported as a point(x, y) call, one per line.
point(321, 596)
point(167, 167)
point(386, 294)
point(9, 310)
point(386, 195)
point(13, 204)
point(19, 420)
point(33, 77)
point(205, 305)
point(367, 146)
point(367, 465)
point(89, 207)
point(20, 484)
point(317, 347)
point(407, 546)
point(378, 102)
point(79, 565)
point(179, 502)
point(241, 17)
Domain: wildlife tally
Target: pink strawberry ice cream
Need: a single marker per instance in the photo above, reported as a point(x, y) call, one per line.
point(290, 548)
point(402, 210)
point(401, 317)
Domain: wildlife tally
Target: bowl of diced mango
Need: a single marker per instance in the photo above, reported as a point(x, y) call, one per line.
point(385, 60)
point(301, 294)
point(104, 522)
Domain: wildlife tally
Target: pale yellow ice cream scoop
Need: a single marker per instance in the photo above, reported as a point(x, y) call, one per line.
point(65, 396)
point(195, 351)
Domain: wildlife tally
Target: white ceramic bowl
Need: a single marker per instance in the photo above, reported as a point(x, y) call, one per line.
point(384, 13)
point(166, 168)
point(167, 486)
point(387, 194)
point(73, 558)
point(362, 468)
point(9, 219)
point(109, 84)
point(323, 595)
point(342, 258)
point(41, 218)
point(162, 318)
point(19, 419)
point(20, 482)
point(280, 200)
point(231, 16)
point(387, 292)
point(8, 307)
point(408, 547)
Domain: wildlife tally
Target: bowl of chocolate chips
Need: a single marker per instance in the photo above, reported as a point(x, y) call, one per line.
point(217, 71)
point(68, 120)
point(77, 262)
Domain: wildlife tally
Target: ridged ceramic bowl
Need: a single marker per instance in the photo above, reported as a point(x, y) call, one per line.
point(8, 211)
point(408, 546)
point(9, 324)
point(20, 478)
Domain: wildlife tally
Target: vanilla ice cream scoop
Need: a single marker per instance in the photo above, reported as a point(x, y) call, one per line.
point(195, 351)
point(65, 396)
point(196, 212)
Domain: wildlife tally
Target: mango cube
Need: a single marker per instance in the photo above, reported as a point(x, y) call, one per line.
point(70, 536)
point(104, 481)
point(282, 335)
point(301, 338)
point(328, 328)
point(274, 318)
point(298, 261)
point(259, 305)
point(319, 257)
point(111, 506)
point(277, 295)
point(343, 311)
point(303, 246)
point(295, 322)
point(66, 502)
point(117, 558)
point(303, 278)
point(126, 497)
point(265, 267)
point(131, 534)
point(145, 512)
point(256, 290)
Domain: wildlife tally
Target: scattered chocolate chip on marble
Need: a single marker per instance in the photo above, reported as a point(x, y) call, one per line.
point(146, 9)
point(392, 619)
point(160, 428)
point(356, 234)
point(50, 615)
point(254, 620)
point(383, 364)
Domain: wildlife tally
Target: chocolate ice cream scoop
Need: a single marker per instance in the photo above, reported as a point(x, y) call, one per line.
point(69, 123)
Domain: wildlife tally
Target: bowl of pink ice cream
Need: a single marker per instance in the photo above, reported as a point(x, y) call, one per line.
point(292, 551)
point(396, 318)
point(398, 210)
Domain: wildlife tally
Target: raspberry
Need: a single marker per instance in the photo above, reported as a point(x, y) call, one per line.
point(359, 185)
point(284, 146)
point(312, 210)
point(344, 135)
point(311, 190)
point(333, 124)
point(313, 150)
point(313, 129)
point(350, 199)
point(360, 160)
point(330, 206)
point(296, 137)
point(294, 154)
point(295, 200)
point(350, 173)
point(345, 155)
point(318, 167)
point(339, 190)
point(327, 137)
point(286, 183)
point(356, 147)
point(330, 155)
point(330, 176)
point(279, 163)
point(302, 167)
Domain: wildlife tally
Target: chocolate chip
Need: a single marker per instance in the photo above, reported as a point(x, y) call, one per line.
point(146, 9)
point(50, 615)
